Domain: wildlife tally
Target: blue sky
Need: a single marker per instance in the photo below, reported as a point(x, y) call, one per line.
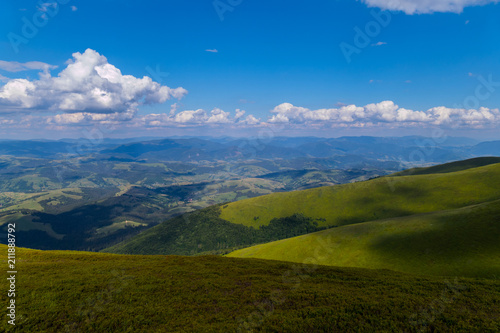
point(433, 65)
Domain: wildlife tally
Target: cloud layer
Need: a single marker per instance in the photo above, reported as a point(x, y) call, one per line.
point(197, 118)
point(383, 114)
point(88, 84)
point(426, 6)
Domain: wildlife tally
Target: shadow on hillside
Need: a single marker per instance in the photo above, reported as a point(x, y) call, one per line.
point(449, 236)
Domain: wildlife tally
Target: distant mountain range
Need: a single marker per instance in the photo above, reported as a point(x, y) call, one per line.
point(411, 149)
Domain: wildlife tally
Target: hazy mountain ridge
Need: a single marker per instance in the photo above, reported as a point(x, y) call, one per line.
point(185, 149)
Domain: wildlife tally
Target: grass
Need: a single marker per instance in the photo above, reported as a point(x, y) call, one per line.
point(385, 197)
point(204, 232)
point(451, 167)
point(463, 242)
point(60, 291)
point(235, 224)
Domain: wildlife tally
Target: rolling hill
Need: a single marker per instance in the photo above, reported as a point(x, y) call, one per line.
point(282, 215)
point(62, 291)
point(458, 242)
point(384, 197)
point(451, 167)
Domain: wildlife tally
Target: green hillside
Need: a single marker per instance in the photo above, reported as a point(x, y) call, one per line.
point(239, 224)
point(451, 167)
point(203, 232)
point(62, 291)
point(374, 199)
point(460, 242)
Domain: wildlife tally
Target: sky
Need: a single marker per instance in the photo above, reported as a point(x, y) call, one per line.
point(248, 68)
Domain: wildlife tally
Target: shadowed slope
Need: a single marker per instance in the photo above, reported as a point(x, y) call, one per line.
point(463, 242)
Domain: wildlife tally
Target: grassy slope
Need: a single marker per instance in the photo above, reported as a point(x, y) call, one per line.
point(375, 199)
point(451, 167)
point(337, 205)
point(61, 291)
point(463, 242)
point(203, 231)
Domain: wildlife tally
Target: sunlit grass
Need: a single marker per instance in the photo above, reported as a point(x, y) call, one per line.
point(384, 197)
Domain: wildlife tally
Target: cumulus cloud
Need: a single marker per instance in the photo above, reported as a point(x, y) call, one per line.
point(197, 117)
point(385, 113)
point(217, 116)
point(465, 117)
point(85, 118)
point(14, 66)
point(190, 116)
point(239, 113)
point(89, 84)
point(411, 7)
point(251, 120)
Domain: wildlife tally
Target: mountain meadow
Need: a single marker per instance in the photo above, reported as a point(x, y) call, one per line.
point(443, 223)
point(414, 251)
point(67, 291)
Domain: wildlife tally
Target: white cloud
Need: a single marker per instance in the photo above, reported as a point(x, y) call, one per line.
point(3, 78)
point(379, 44)
point(197, 117)
point(465, 117)
point(85, 118)
point(173, 108)
point(43, 7)
point(74, 8)
point(19, 92)
point(190, 116)
point(385, 113)
point(217, 116)
point(239, 113)
point(14, 66)
point(88, 84)
point(212, 50)
point(426, 6)
point(251, 120)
